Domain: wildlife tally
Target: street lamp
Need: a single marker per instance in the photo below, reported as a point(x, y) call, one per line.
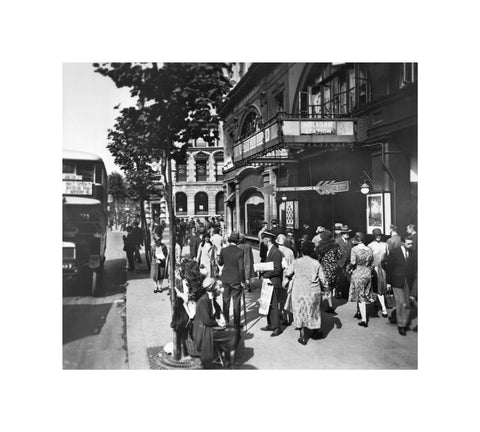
point(365, 188)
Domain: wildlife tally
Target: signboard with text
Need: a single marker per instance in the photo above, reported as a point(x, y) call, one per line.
point(77, 188)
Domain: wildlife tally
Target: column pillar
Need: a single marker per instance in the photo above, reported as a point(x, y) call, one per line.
point(237, 205)
point(211, 201)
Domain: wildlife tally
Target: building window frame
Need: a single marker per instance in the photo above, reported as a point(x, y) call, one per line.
point(218, 160)
point(181, 203)
point(201, 203)
point(201, 166)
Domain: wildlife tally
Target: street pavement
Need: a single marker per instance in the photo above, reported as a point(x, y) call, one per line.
point(345, 344)
point(94, 335)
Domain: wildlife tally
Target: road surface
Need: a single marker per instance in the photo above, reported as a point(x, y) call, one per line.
point(94, 328)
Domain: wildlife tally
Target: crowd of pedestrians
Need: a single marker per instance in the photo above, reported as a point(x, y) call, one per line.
point(318, 266)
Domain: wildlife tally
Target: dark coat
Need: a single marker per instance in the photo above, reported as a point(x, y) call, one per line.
point(247, 259)
point(400, 270)
point(393, 242)
point(345, 250)
point(414, 242)
point(129, 242)
point(195, 241)
point(276, 274)
point(231, 258)
point(138, 235)
point(204, 321)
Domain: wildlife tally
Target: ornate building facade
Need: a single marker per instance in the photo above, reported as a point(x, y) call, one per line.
point(320, 143)
point(198, 184)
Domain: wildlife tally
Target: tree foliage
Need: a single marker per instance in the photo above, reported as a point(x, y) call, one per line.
point(116, 187)
point(132, 144)
point(182, 97)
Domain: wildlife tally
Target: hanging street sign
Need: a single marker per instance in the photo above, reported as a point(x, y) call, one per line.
point(331, 187)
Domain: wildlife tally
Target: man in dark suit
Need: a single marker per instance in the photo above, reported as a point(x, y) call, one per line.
point(139, 236)
point(345, 245)
point(275, 276)
point(233, 278)
point(247, 259)
point(401, 275)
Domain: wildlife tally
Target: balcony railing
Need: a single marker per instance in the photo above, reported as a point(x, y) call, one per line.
point(287, 131)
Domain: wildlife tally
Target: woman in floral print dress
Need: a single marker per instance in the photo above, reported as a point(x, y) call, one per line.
point(328, 255)
point(361, 282)
point(308, 280)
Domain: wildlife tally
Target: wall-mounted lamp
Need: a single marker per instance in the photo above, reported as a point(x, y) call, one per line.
point(365, 188)
point(367, 183)
point(284, 198)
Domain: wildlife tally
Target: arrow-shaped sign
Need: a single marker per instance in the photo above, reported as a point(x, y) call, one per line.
point(331, 187)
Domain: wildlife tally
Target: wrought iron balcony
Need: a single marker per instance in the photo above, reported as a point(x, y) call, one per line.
point(273, 142)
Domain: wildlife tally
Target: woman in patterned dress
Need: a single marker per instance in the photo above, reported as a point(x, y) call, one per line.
point(328, 255)
point(380, 254)
point(308, 279)
point(361, 282)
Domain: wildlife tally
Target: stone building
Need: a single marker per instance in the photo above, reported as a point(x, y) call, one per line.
point(320, 143)
point(198, 184)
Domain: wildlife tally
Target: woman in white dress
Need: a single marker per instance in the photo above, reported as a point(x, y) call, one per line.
point(205, 256)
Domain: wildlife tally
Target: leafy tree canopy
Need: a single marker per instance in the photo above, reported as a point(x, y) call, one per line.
point(132, 142)
point(116, 186)
point(182, 97)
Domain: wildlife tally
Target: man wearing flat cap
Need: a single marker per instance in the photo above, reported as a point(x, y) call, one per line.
point(275, 276)
point(233, 278)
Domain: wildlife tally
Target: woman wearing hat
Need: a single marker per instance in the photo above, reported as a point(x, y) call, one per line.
point(328, 254)
point(361, 281)
point(158, 269)
point(209, 332)
point(205, 256)
point(379, 249)
point(308, 280)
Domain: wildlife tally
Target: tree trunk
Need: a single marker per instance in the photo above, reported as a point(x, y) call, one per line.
point(171, 230)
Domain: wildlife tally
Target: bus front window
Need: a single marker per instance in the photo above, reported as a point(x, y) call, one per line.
point(68, 167)
point(85, 169)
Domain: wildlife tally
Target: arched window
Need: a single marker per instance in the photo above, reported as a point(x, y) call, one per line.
point(219, 203)
point(180, 203)
point(201, 203)
point(218, 166)
point(251, 124)
point(201, 163)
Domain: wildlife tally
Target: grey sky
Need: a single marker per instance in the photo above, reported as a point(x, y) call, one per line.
point(88, 101)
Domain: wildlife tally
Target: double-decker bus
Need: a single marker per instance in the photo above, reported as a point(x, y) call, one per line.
point(84, 218)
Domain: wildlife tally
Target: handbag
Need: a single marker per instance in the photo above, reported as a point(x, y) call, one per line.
point(389, 300)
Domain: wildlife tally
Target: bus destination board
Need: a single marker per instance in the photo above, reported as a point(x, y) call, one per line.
point(77, 188)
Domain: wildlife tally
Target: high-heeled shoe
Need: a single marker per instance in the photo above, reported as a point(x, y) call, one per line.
point(357, 315)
